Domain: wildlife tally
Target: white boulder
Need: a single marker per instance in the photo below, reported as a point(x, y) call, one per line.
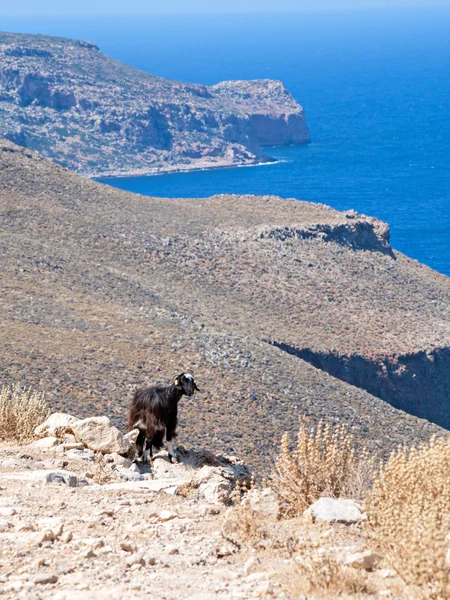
point(362, 560)
point(264, 502)
point(335, 510)
point(99, 435)
point(56, 425)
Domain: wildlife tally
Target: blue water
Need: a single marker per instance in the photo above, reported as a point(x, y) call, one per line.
point(375, 87)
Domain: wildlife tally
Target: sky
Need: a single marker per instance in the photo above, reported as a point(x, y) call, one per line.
point(148, 7)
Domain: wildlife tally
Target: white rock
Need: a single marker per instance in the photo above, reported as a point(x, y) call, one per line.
point(7, 511)
point(98, 434)
point(119, 460)
point(385, 573)
point(44, 443)
point(250, 564)
point(213, 486)
point(362, 560)
point(56, 425)
point(132, 435)
point(5, 525)
point(45, 578)
point(67, 477)
point(80, 454)
point(264, 502)
point(166, 515)
point(93, 543)
point(335, 510)
point(128, 547)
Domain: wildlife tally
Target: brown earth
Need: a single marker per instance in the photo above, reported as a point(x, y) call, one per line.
point(104, 290)
point(109, 540)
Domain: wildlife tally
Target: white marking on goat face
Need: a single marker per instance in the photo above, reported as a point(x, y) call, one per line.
point(188, 376)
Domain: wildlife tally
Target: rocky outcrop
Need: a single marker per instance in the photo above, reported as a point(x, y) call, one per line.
point(416, 382)
point(90, 113)
point(99, 435)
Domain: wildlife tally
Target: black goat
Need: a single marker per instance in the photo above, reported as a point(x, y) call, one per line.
point(154, 412)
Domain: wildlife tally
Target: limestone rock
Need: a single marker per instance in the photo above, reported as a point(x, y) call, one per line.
point(362, 560)
point(119, 460)
point(56, 425)
point(45, 578)
point(264, 502)
point(80, 453)
point(44, 443)
point(98, 434)
point(66, 477)
point(335, 510)
point(129, 475)
point(132, 435)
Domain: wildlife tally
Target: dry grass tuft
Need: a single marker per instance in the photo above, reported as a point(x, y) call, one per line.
point(408, 513)
point(324, 576)
point(324, 463)
point(20, 412)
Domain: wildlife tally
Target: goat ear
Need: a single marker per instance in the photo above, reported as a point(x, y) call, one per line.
point(195, 387)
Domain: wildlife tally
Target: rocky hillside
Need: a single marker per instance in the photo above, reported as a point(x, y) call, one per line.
point(90, 113)
point(261, 298)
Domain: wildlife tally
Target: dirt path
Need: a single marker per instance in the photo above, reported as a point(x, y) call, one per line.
point(94, 541)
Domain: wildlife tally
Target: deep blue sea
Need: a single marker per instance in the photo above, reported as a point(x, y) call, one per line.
point(375, 87)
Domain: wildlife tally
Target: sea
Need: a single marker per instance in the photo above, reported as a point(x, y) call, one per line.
point(375, 86)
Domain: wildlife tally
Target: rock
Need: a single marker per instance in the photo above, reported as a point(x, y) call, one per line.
point(166, 515)
point(7, 511)
point(335, 510)
point(44, 443)
point(362, 560)
point(56, 425)
point(14, 463)
point(93, 543)
point(66, 477)
point(98, 434)
point(128, 547)
point(67, 537)
point(73, 446)
point(129, 475)
point(44, 536)
point(119, 460)
point(132, 435)
point(264, 502)
point(250, 564)
point(81, 454)
point(136, 559)
point(213, 486)
point(5, 525)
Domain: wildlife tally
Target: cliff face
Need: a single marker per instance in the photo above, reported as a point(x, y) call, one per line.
point(280, 308)
point(68, 101)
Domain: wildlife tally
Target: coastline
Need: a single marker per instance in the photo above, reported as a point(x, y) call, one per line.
point(184, 169)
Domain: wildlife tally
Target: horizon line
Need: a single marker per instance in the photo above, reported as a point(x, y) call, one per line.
point(200, 13)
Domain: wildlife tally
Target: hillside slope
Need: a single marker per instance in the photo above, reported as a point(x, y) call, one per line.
point(90, 113)
point(104, 290)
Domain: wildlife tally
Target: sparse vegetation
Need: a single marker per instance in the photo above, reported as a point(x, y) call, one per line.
point(20, 412)
point(408, 513)
point(324, 574)
point(323, 463)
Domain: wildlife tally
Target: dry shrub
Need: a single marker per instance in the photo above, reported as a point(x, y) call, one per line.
point(324, 463)
point(20, 412)
point(324, 575)
point(242, 525)
point(408, 513)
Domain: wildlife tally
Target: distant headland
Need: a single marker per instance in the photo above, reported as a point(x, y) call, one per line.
point(95, 115)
